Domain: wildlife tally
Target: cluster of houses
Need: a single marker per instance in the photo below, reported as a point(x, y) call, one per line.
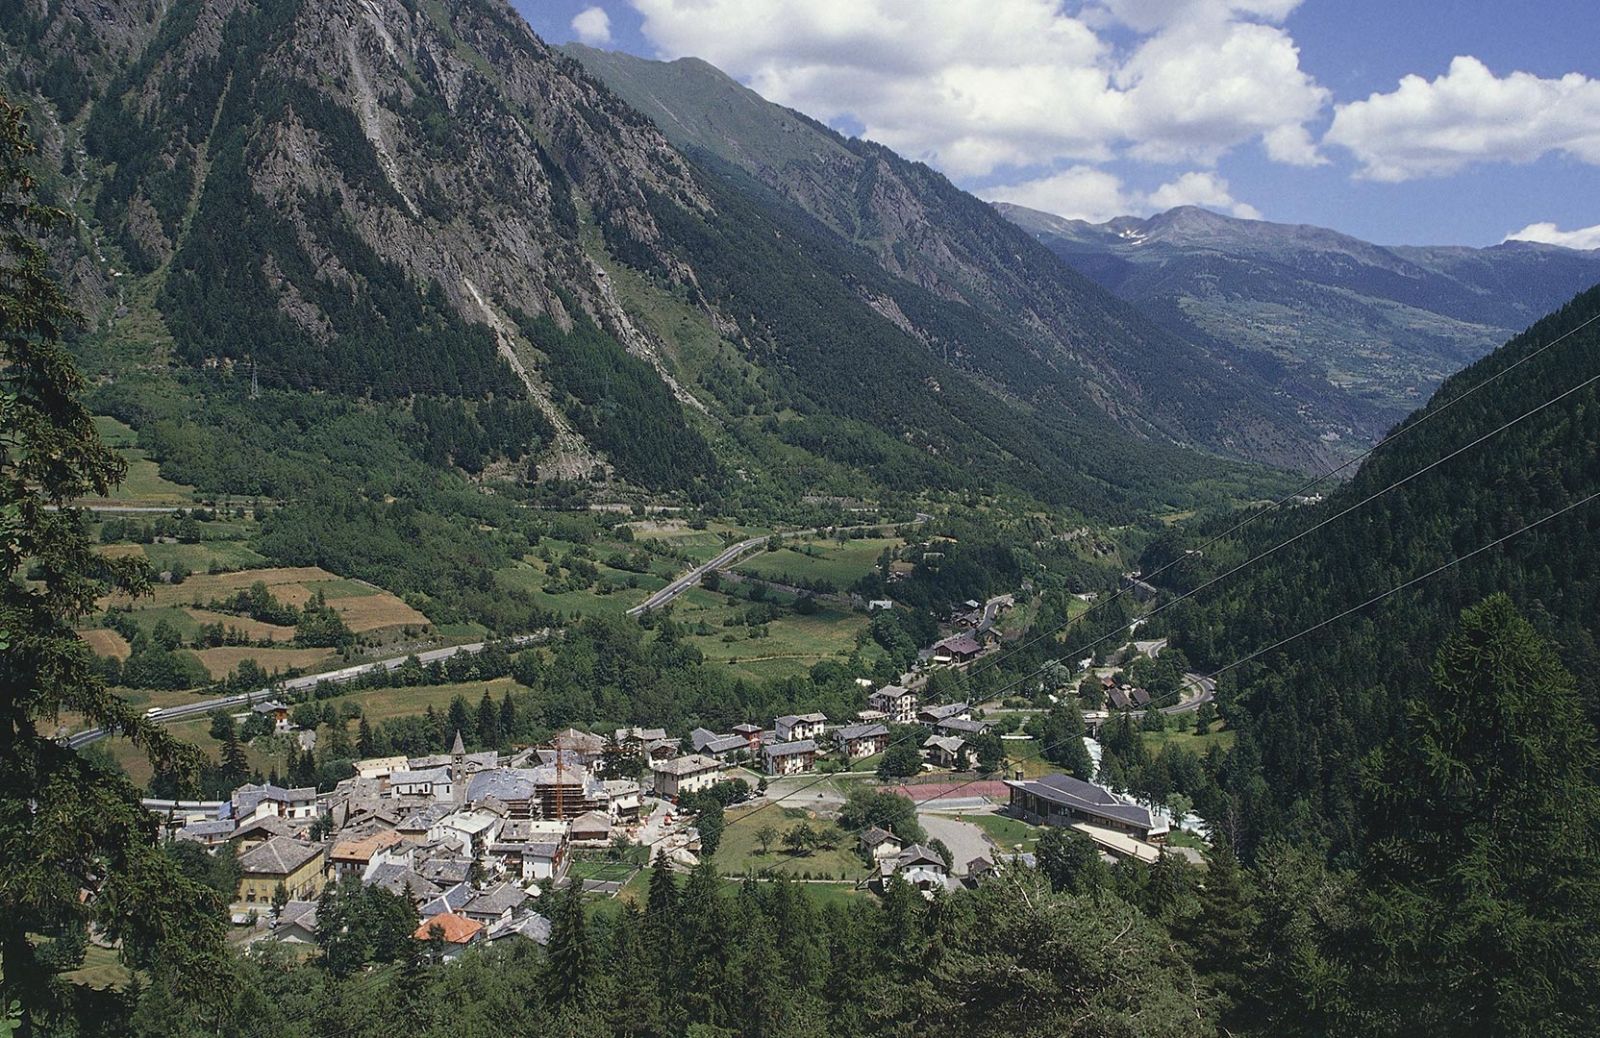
point(795, 741)
point(473, 839)
point(1124, 696)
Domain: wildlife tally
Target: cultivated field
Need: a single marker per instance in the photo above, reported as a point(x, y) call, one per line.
point(222, 660)
point(106, 642)
point(363, 607)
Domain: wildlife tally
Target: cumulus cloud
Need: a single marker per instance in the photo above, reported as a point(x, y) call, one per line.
point(979, 87)
point(1086, 193)
point(1078, 193)
point(1550, 234)
point(1203, 189)
point(1468, 115)
point(593, 26)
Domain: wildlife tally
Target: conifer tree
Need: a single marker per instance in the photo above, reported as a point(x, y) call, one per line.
point(1483, 862)
point(65, 825)
point(488, 726)
point(569, 948)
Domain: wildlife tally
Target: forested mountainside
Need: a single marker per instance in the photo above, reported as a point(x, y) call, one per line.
point(1309, 714)
point(1360, 330)
point(922, 230)
point(377, 200)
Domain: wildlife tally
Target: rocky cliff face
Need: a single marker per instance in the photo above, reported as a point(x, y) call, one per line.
point(384, 198)
point(922, 229)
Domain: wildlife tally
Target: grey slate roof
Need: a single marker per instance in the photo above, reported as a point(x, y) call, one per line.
point(917, 854)
point(436, 776)
point(789, 749)
point(531, 925)
point(496, 900)
point(1086, 797)
point(944, 710)
point(200, 830)
point(861, 731)
point(873, 836)
point(298, 913)
point(396, 877)
point(724, 744)
point(246, 797)
point(690, 765)
point(445, 871)
point(793, 719)
point(452, 900)
point(505, 784)
point(279, 856)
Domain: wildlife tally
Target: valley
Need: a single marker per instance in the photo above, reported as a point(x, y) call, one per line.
point(505, 535)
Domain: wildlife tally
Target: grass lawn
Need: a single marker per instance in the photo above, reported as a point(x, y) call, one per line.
point(1184, 838)
point(528, 575)
point(740, 851)
point(203, 557)
point(101, 969)
point(103, 641)
point(380, 704)
point(820, 893)
point(810, 560)
point(143, 484)
point(1186, 737)
point(197, 731)
point(1006, 832)
point(803, 640)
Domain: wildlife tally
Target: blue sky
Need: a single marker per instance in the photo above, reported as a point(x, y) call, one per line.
point(1293, 110)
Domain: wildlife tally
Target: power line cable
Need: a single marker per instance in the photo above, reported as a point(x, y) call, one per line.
point(1299, 492)
point(1309, 530)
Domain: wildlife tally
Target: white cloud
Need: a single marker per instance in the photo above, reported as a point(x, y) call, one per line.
point(593, 26)
point(1079, 193)
point(1437, 127)
point(1086, 193)
point(1203, 189)
point(1550, 234)
point(977, 87)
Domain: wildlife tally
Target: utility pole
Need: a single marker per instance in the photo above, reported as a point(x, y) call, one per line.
point(255, 385)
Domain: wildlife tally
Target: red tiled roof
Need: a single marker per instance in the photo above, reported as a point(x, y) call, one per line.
point(458, 929)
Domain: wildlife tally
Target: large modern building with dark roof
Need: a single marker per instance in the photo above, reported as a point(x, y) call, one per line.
point(1064, 800)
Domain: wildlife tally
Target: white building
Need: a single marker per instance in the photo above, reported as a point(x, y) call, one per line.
point(690, 774)
point(790, 758)
point(794, 727)
point(896, 701)
point(430, 782)
point(252, 802)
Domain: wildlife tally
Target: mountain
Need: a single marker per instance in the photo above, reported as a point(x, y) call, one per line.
point(1310, 712)
point(922, 230)
point(384, 199)
point(1361, 330)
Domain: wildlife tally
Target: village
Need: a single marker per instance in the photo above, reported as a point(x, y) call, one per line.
point(477, 842)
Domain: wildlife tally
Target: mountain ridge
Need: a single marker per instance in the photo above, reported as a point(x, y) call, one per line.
point(1368, 327)
point(922, 229)
point(389, 198)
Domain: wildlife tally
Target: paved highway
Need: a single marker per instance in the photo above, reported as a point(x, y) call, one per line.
point(204, 706)
point(731, 554)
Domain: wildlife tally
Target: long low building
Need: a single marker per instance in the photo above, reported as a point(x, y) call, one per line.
point(1064, 800)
